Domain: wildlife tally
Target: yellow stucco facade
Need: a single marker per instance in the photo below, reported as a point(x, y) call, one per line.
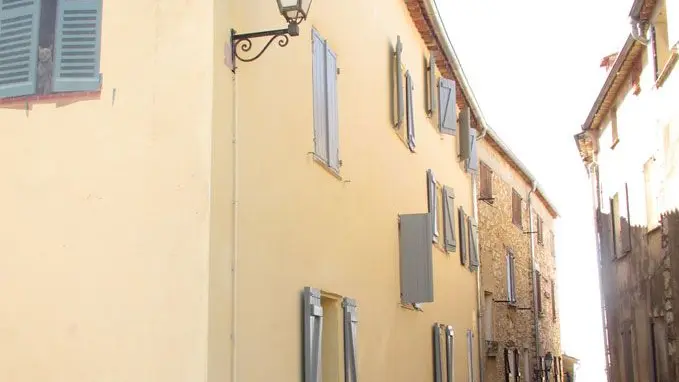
point(140, 218)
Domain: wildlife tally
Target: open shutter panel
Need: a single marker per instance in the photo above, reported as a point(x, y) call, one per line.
point(462, 217)
point(507, 372)
point(473, 161)
point(473, 245)
point(438, 362)
point(470, 355)
point(397, 75)
point(447, 109)
point(517, 365)
point(410, 124)
point(432, 205)
point(320, 96)
point(313, 325)
point(19, 22)
point(332, 112)
point(77, 46)
point(625, 229)
point(416, 267)
point(449, 354)
point(463, 136)
point(431, 96)
point(449, 218)
point(350, 332)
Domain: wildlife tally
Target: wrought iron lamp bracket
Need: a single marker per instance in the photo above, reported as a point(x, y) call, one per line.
point(243, 41)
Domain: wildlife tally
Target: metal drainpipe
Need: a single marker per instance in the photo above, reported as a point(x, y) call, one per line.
point(479, 317)
point(536, 317)
point(234, 222)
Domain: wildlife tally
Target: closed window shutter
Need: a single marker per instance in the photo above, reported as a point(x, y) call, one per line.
point(615, 227)
point(449, 218)
point(432, 205)
point(416, 267)
point(450, 354)
point(398, 85)
point(470, 355)
point(473, 245)
point(350, 334)
point(517, 373)
point(473, 161)
point(438, 362)
point(410, 125)
point(19, 23)
point(431, 96)
point(462, 218)
point(625, 229)
point(77, 46)
point(320, 96)
point(507, 371)
point(447, 109)
point(332, 112)
point(313, 329)
point(464, 134)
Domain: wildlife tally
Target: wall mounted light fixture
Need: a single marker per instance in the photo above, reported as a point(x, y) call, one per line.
point(294, 12)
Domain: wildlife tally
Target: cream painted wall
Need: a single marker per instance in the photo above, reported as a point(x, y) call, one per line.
point(106, 209)
point(301, 226)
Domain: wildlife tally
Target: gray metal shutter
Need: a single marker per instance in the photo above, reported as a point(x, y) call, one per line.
point(625, 230)
point(397, 85)
point(507, 368)
point(320, 96)
point(331, 109)
point(438, 362)
point(19, 25)
point(415, 249)
point(473, 245)
point(462, 218)
point(473, 161)
point(410, 123)
point(431, 97)
point(432, 204)
point(463, 136)
point(350, 334)
point(313, 328)
point(449, 354)
point(449, 218)
point(447, 109)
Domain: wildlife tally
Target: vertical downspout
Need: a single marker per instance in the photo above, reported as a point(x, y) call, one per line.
point(234, 223)
point(479, 317)
point(536, 317)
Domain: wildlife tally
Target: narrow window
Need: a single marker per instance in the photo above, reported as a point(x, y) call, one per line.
point(326, 122)
point(486, 183)
point(553, 302)
point(511, 282)
point(516, 208)
point(488, 316)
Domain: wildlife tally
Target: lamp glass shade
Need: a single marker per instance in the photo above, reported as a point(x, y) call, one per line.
point(294, 11)
point(548, 361)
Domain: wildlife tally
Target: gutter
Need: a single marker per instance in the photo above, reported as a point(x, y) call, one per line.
point(609, 81)
point(449, 52)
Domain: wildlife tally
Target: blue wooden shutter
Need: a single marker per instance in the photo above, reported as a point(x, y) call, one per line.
point(432, 204)
point(410, 124)
point(416, 266)
point(350, 334)
point(431, 93)
point(473, 160)
point(438, 362)
point(462, 219)
point(320, 96)
point(331, 108)
point(397, 84)
point(77, 46)
point(19, 23)
point(449, 354)
point(447, 109)
point(312, 313)
point(473, 245)
point(449, 218)
point(463, 136)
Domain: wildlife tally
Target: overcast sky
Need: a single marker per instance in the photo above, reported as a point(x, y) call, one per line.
point(534, 68)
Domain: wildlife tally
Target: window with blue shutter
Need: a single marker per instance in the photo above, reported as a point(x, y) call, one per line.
point(49, 46)
point(443, 352)
point(473, 245)
point(473, 160)
point(447, 107)
point(432, 204)
point(312, 315)
point(326, 116)
point(416, 265)
point(410, 117)
point(449, 218)
point(462, 223)
point(397, 85)
point(77, 45)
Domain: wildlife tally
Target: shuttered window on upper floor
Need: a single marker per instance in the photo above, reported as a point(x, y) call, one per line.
point(444, 367)
point(49, 46)
point(516, 208)
point(540, 230)
point(485, 182)
point(416, 265)
point(447, 107)
point(326, 115)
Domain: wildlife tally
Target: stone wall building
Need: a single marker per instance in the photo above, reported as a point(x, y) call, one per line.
point(520, 320)
point(629, 144)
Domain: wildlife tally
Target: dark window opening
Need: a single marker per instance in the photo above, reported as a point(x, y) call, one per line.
point(45, 65)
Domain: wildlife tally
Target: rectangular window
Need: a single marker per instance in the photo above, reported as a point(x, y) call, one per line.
point(541, 239)
point(49, 46)
point(511, 280)
point(615, 222)
point(516, 209)
point(486, 182)
point(326, 122)
point(553, 302)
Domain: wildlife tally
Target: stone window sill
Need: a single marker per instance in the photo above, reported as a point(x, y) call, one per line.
point(59, 98)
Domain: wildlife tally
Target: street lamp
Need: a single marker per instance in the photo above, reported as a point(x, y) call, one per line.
point(549, 358)
point(294, 12)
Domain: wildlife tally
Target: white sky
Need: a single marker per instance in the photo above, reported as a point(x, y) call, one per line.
point(534, 68)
